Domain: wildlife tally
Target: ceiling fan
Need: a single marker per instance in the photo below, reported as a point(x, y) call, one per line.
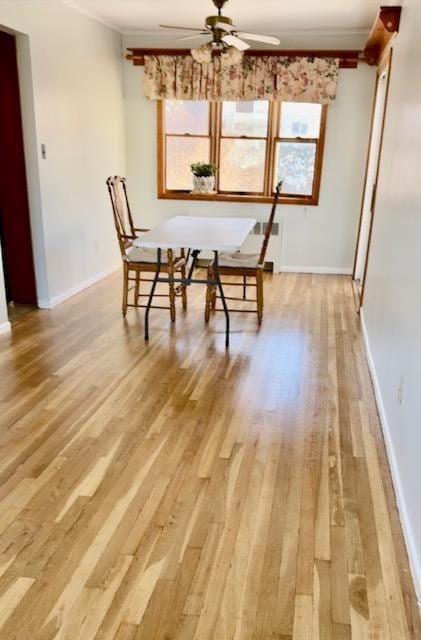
point(223, 32)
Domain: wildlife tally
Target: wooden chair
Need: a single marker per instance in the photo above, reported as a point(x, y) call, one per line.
point(137, 260)
point(245, 265)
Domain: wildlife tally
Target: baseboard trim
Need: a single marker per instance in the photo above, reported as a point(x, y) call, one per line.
point(414, 559)
point(5, 327)
point(341, 271)
point(56, 300)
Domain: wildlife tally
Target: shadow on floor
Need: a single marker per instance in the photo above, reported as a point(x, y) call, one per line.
point(16, 311)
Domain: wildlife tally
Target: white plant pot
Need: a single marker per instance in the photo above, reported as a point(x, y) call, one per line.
point(203, 184)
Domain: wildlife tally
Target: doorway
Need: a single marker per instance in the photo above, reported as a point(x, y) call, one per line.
point(368, 205)
point(15, 228)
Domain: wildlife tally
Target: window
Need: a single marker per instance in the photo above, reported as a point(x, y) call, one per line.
point(296, 147)
point(187, 137)
point(253, 144)
point(243, 139)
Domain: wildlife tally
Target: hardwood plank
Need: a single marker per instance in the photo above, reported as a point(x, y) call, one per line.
point(303, 614)
point(177, 490)
point(12, 597)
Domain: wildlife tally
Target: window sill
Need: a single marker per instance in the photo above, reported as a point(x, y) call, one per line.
point(304, 201)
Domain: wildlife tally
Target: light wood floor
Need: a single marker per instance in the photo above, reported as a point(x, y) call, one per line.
point(179, 492)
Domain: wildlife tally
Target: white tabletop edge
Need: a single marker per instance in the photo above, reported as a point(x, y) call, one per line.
point(188, 232)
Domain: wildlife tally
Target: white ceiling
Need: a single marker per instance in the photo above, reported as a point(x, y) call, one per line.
point(264, 15)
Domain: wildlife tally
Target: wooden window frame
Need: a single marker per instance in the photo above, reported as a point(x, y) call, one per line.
point(221, 136)
point(191, 136)
point(273, 138)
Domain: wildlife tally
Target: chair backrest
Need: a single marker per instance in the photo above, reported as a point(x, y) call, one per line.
point(269, 224)
point(123, 220)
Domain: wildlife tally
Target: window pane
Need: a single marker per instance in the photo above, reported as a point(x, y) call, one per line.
point(245, 118)
point(295, 166)
point(190, 116)
point(181, 153)
point(300, 119)
point(242, 165)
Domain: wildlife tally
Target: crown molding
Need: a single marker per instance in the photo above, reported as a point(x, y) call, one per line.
point(91, 14)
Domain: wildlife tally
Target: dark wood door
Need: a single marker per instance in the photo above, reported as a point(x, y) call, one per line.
point(15, 229)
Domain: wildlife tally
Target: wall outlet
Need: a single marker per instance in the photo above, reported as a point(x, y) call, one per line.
point(96, 245)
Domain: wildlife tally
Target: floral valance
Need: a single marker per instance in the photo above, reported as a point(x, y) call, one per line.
point(292, 79)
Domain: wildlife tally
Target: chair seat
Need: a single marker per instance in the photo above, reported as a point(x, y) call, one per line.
point(137, 254)
point(238, 259)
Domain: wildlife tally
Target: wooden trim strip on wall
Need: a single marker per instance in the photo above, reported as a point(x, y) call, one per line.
point(373, 207)
point(367, 160)
point(387, 64)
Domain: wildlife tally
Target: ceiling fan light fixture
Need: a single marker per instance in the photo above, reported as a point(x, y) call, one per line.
point(231, 55)
point(202, 54)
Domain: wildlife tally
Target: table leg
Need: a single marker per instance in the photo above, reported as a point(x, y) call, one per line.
point(152, 291)
point(195, 254)
point(224, 303)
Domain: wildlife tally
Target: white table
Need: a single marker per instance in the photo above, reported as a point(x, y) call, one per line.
point(197, 234)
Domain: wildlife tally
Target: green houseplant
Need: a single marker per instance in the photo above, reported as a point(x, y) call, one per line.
point(203, 177)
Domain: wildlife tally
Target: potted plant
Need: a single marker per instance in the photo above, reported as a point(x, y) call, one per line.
point(203, 177)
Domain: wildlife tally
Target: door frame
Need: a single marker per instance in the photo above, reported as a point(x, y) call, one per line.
point(32, 165)
point(385, 65)
point(15, 221)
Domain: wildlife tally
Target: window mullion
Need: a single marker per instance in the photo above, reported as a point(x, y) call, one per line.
point(270, 148)
point(161, 146)
point(319, 154)
point(212, 131)
point(298, 140)
point(216, 112)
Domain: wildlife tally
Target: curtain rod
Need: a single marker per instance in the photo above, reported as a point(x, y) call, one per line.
point(347, 59)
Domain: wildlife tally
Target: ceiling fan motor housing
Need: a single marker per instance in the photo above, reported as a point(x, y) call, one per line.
point(217, 34)
point(211, 21)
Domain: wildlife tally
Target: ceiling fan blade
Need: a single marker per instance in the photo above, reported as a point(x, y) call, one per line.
point(258, 38)
point(225, 26)
point(193, 37)
point(233, 41)
point(168, 26)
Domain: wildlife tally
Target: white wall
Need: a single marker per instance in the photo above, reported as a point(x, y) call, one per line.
point(318, 238)
point(392, 306)
point(71, 86)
